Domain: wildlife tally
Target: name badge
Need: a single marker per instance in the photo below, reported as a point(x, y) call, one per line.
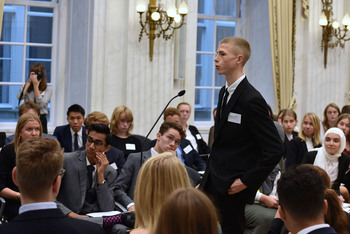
point(188, 149)
point(234, 118)
point(114, 166)
point(129, 146)
point(198, 136)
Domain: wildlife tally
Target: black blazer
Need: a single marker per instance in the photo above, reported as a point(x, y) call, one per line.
point(295, 152)
point(64, 136)
point(48, 221)
point(203, 148)
point(246, 142)
point(191, 158)
point(286, 142)
point(343, 166)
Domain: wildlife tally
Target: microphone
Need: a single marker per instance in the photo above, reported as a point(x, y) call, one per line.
point(180, 94)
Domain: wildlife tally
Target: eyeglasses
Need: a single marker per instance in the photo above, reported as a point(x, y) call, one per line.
point(97, 143)
point(62, 171)
point(172, 139)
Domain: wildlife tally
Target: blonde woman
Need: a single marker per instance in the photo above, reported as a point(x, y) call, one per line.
point(308, 139)
point(121, 126)
point(158, 177)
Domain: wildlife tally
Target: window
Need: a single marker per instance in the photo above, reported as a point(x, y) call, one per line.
point(26, 38)
point(217, 19)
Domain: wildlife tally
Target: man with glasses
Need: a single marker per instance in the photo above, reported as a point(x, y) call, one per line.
point(89, 181)
point(38, 174)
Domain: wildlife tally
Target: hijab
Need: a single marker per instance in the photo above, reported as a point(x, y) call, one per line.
point(330, 162)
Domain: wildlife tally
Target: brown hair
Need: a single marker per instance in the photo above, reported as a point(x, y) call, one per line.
point(38, 67)
point(116, 118)
point(239, 46)
point(316, 140)
point(325, 123)
point(340, 118)
point(95, 117)
point(27, 106)
point(183, 103)
point(187, 211)
point(335, 216)
point(158, 177)
point(22, 121)
point(289, 112)
point(38, 163)
point(171, 111)
point(167, 125)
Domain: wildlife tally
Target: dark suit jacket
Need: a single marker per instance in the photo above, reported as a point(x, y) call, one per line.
point(343, 166)
point(116, 156)
point(203, 148)
point(64, 136)
point(246, 143)
point(191, 158)
point(277, 225)
point(286, 142)
point(48, 221)
point(74, 185)
point(296, 151)
point(126, 181)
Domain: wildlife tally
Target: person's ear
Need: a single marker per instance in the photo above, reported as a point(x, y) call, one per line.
point(325, 206)
point(158, 136)
point(282, 213)
point(107, 148)
point(14, 176)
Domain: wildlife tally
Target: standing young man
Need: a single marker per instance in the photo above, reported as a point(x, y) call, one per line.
point(246, 144)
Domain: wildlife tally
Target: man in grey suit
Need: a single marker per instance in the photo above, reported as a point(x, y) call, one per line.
point(89, 181)
point(168, 139)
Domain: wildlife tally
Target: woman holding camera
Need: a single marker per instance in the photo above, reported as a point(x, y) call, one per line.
point(36, 90)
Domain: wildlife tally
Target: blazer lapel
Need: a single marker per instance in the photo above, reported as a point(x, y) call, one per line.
point(82, 173)
point(230, 104)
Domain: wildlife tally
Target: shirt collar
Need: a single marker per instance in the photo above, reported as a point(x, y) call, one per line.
point(153, 152)
point(233, 87)
point(312, 228)
point(80, 133)
point(37, 206)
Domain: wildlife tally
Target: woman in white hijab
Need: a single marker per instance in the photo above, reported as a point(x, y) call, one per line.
point(330, 158)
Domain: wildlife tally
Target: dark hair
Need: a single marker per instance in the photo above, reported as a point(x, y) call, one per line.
point(101, 128)
point(27, 106)
point(301, 192)
point(345, 109)
point(76, 108)
point(167, 125)
point(289, 112)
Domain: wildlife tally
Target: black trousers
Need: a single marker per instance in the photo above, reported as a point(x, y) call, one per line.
point(43, 120)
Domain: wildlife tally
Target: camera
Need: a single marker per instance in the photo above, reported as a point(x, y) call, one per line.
point(39, 76)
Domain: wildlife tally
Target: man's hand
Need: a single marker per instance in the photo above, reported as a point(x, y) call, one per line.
point(131, 208)
point(75, 215)
point(269, 202)
point(101, 164)
point(236, 187)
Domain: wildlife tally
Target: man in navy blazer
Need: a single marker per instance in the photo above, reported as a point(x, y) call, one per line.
point(301, 202)
point(38, 174)
point(72, 136)
point(246, 144)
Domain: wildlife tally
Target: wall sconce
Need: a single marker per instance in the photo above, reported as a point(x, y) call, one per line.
point(158, 22)
point(331, 28)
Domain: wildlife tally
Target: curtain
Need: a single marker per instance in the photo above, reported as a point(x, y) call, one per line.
point(1, 13)
point(282, 28)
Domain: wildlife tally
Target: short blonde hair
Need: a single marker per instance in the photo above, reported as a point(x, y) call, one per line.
point(38, 163)
point(239, 46)
point(158, 177)
point(316, 140)
point(116, 117)
point(22, 121)
point(94, 117)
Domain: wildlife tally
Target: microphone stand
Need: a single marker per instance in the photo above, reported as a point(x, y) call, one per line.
point(181, 93)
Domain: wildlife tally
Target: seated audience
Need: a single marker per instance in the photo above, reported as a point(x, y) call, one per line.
point(28, 126)
point(159, 176)
point(89, 181)
point(289, 122)
point(121, 125)
point(307, 140)
point(115, 156)
point(38, 174)
point(72, 136)
point(330, 116)
point(301, 202)
point(185, 151)
point(343, 123)
point(211, 131)
point(330, 158)
point(192, 133)
point(258, 216)
point(27, 107)
point(187, 211)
